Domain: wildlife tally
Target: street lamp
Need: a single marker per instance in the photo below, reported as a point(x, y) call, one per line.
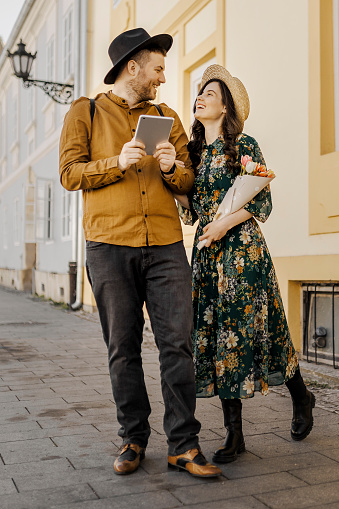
point(22, 64)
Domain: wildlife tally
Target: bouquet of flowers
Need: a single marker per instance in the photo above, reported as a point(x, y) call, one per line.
point(252, 179)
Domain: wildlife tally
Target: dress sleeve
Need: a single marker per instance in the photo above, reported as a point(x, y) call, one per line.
point(261, 205)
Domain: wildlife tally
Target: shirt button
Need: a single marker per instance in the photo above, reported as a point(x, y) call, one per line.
point(139, 170)
point(143, 192)
point(133, 130)
point(129, 113)
point(145, 215)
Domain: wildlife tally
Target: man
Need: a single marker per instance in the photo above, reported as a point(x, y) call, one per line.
point(134, 248)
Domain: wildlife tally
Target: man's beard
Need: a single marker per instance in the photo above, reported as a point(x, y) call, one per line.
point(142, 91)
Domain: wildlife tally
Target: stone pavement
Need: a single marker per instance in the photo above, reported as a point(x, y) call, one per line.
point(58, 430)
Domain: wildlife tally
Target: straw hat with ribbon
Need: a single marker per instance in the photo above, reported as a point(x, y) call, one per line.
point(237, 89)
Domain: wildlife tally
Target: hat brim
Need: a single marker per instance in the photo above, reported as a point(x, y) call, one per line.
point(165, 41)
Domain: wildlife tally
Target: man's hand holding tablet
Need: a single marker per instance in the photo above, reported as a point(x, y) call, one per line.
point(151, 138)
point(131, 153)
point(153, 132)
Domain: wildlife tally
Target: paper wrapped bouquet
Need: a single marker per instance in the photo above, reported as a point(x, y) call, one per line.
point(252, 179)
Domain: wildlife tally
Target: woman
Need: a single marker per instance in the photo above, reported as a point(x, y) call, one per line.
point(241, 339)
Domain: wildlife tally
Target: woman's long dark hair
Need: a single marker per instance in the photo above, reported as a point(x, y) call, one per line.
point(231, 127)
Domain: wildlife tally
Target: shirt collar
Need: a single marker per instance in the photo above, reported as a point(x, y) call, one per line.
point(218, 143)
point(124, 104)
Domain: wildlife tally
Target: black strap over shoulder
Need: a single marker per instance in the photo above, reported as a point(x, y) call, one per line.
point(92, 101)
point(159, 110)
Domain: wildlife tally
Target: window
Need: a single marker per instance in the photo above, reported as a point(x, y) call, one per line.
point(44, 210)
point(50, 60)
point(30, 104)
point(3, 170)
point(5, 228)
point(66, 214)
point(29, 98)
point(16, 229)
point(30, 146)
point(3, 133)
point(15, 119)
point(67, 45)
point(29, 213)
point(195, 79)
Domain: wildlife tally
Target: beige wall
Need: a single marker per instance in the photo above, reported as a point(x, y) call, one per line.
point(103, 26)
point(274, 48)
point(52, 286)
point(274, 68)
point(149, 12)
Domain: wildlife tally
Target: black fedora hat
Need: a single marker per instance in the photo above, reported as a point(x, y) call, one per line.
point(130, 42)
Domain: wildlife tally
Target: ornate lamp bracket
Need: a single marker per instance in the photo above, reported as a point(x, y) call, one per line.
point(22, 62)
point(60, 92)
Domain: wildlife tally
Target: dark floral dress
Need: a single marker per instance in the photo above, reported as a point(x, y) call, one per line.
point(241, 339)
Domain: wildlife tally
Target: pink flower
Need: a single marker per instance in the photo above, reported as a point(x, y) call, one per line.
point(245, 160)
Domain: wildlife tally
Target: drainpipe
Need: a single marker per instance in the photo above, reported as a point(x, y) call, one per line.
point(80, 88)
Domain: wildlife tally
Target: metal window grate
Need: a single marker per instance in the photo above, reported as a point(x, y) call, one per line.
point(321, 323)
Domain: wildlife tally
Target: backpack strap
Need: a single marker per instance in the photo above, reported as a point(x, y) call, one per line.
point(159, 110)
point(92, 111)
point(92, 101)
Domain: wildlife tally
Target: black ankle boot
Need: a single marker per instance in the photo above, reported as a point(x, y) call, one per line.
point(303, 403)
point(234, 441)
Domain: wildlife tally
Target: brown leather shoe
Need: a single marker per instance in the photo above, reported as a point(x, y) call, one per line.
point(129, 459)
point(194, 462)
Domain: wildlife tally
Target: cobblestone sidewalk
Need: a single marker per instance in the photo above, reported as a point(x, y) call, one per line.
point(58, 429)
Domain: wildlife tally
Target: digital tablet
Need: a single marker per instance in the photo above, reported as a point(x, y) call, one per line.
point(152, 130)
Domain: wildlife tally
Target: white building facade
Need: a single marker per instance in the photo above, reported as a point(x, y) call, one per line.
point(38, 218)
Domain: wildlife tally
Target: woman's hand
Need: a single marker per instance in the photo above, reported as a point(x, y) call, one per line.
point(215, 230)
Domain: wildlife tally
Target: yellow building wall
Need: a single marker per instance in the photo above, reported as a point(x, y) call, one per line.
point(324, 161)
point(276, 49)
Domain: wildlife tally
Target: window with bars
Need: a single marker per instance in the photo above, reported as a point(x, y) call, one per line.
point(67, 44)
point(321, 323)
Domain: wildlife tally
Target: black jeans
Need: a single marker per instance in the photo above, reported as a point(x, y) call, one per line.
point(123, 279)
